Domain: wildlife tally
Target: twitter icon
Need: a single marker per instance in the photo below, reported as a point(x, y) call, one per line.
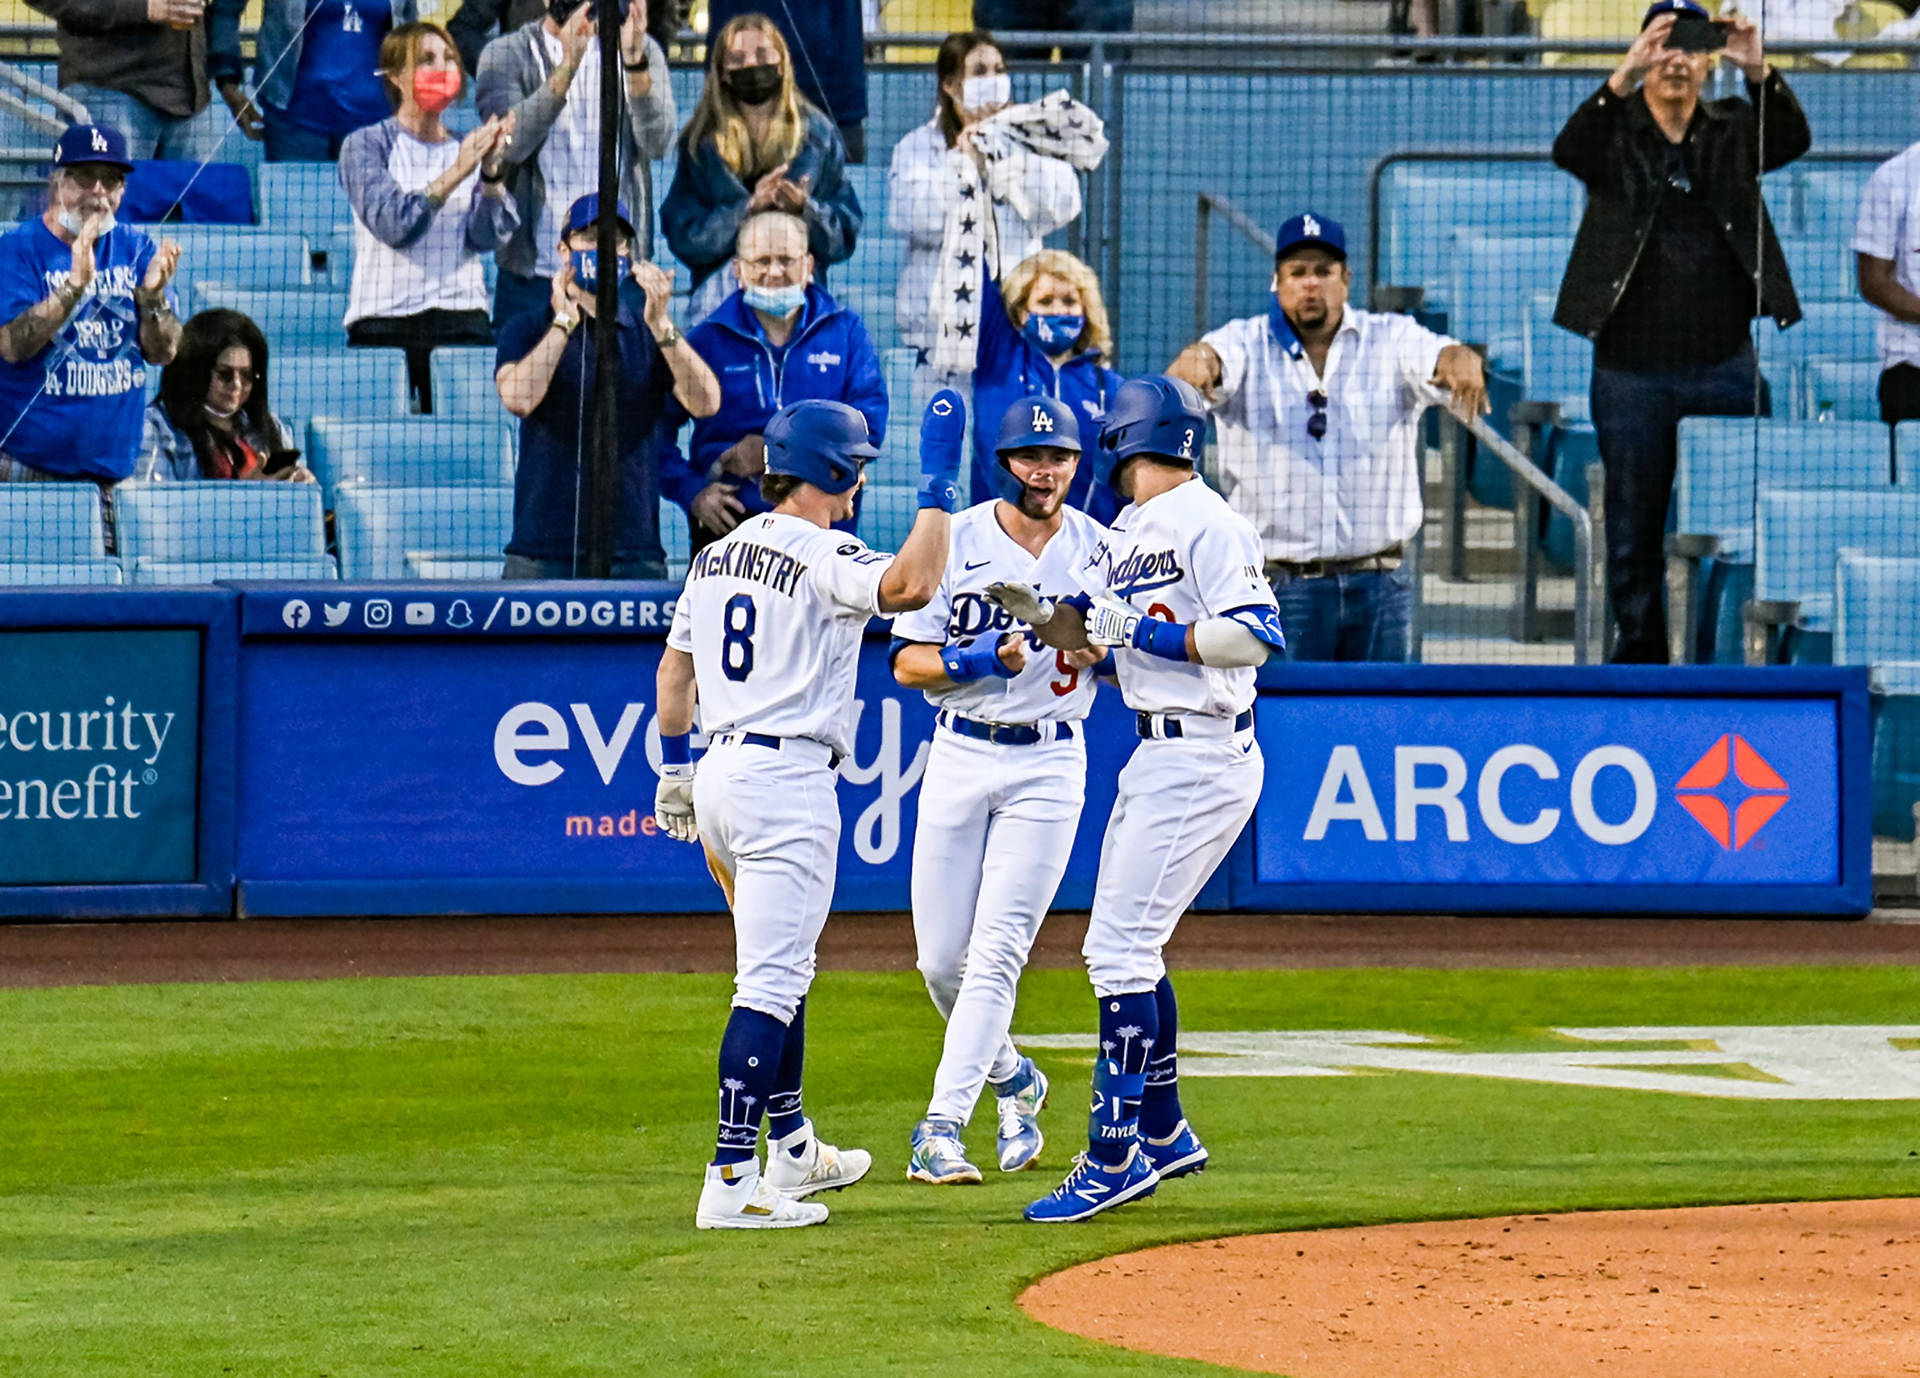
point(335, 613)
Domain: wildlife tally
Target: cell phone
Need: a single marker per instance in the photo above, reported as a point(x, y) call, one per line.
point(1695, 35)
point(279, 461)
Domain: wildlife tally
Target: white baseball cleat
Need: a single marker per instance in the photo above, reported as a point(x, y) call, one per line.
point(818, 1167)
point(737, 1197)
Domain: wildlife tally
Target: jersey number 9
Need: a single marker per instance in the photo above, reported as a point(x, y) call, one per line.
point(736, 646)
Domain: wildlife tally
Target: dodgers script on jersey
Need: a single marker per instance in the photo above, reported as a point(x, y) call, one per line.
point(1183, 557)
point(983, 553)
point(772, 615)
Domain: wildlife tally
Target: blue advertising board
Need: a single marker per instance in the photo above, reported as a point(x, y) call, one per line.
point(493, 749)
point(1435, 789)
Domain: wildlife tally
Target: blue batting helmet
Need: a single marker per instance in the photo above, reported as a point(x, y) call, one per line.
point(1035, 421)
point(820, 442)
point(1155, 415)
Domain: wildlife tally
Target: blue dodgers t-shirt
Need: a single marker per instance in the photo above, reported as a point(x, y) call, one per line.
point(77, 406)
point(337, 88)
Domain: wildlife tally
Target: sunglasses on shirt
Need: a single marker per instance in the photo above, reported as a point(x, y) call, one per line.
point(1317, 422)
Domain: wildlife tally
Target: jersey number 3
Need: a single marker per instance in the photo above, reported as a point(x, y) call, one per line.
point(736, 646)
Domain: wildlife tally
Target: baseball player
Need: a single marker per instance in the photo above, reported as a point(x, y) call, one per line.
point(1005, 779)
point(1178, 591)
point(766, 637)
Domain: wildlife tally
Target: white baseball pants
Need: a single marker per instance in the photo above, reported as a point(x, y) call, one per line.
point(771, 826)
point(1181, 805)
point(996, 826)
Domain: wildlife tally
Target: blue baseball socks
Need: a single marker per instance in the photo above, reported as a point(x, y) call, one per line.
point(750, 1055)
point(1129, 1029)
point(1160, 1112)
point(784, 1115)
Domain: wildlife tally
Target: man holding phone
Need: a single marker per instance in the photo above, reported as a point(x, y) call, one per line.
point(1675, 255)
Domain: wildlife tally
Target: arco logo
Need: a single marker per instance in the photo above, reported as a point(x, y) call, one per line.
point(1732, 814)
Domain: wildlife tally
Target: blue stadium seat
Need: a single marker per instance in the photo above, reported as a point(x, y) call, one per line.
point(1822, 268)
point(1830, 199)
point(1557, 365)
point(1850, 387)
point(869, 181)
point(305, 197)
point(150, 571)
point(1828, 330)
point(887, 512)
point(899, 460)
point(1725, 460)
point(65, 572)
point(292, 318)
point(218, 521)
point(1876, 622)
point(463, 383)
point(421, 452)
point(1494, 278)
point(676, 538)
point(355, 384)
point(1799, 533)
point(244, 257)
point(407, 533)
point(50, 523)
point(1422, 204)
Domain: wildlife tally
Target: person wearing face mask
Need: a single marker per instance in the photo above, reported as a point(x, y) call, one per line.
point(754, 144)
point(1317, 408)
point(1030, 193)
point(86, 306)
point(426, 206)
point(828, 41)
point(1675, 255)
point(547, 76)
point(546, 375)
point(211, 419)
point(781, 338)
point(319, 62)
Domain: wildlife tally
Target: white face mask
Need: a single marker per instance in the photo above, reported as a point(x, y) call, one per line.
point(219, 415)
point(977, 93)
point(71, 223)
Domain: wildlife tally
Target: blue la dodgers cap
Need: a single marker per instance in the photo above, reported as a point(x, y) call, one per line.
point(1307, 228)
point(92, 143)
point(1660, 7)
point(586, 211)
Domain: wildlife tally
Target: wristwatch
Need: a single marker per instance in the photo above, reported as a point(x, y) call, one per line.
point(566, 323)
point(670, 338)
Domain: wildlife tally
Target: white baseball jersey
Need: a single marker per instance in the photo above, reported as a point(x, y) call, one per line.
point(983, 553)
point(772, 614)
point(1182, 557)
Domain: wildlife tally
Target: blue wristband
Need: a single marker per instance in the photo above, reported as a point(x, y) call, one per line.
point(939, 492)
point(1080, 602)
point(964, 664)
point(1168, 640)
point(676, 751)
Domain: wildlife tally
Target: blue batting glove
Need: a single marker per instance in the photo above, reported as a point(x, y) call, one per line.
point(942, 447)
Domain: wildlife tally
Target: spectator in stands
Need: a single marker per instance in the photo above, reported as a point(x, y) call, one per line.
point(546, 377)
point(1073, 16)
point(827, 40)
point(1318, 410)
point(547, 76)
point(1044, 330)
point(417, 277)
point(1886, 247)
point(141, 67)
point(779, 339)
point(477, 22)
point(211, 419)
point(754, 144)
point(319, 65)
point(1664, 276)
point(85, 305)
point(939, 170)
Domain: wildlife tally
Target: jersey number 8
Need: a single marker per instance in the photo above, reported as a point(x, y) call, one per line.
point(736, 646)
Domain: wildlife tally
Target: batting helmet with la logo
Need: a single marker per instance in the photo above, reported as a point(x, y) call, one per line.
point(1035, 421)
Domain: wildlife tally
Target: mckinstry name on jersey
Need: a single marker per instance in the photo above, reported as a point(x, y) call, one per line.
point(758, 564)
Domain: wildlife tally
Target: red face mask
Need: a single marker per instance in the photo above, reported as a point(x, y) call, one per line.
point(434, 90)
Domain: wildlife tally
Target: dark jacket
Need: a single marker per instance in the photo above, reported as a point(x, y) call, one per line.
point(829, 356)
point(706, 204)
point(1613, 145)
point(111, 43)
point(828, 47)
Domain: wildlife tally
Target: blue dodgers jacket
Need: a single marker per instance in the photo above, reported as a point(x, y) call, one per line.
point(829, 356)
point(1009, 366)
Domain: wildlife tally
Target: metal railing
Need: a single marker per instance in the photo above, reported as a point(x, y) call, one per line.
point(1588, 575)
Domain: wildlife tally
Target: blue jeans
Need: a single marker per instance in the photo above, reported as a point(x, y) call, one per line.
point(1636, 419)
point(1361, 616)
point(150, 134)
point(287, 142)
point(515, 294)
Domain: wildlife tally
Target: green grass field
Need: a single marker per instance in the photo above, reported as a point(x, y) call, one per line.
point(482, 1176)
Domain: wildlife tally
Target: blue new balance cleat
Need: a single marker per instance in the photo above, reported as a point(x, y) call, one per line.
point(1177, 1155)
point(938, 1155)
point(1021, 1098)
point(1093, 1187)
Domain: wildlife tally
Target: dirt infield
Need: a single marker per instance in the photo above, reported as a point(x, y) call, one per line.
point(1778, 1291)
point(311, 949)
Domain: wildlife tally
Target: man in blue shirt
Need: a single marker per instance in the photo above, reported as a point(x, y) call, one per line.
point(546, 376)
point(86, 309)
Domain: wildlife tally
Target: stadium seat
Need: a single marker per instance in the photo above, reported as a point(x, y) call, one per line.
point(1423, 203)
point(244, 257)
point(50, 523)
point(150, 571)
point(1557, 365)
point(1830, 199)
point(887, 512)
point(416, 533)
point(218, 521)
point(899, 460)
point(41, 574)
point(1827, 330)
point(421, 452)
point(1799, 533)
point(463, 383)
point(1494, 277)
point(1849, 388)
point(1876, 622)
point(1822, 269)
point(304, 197)
point(352, 384)
point(1724, 460)
point(292, 318)
point(675, 538)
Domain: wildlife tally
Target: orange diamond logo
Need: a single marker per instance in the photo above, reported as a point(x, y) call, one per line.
point(1732, 814)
